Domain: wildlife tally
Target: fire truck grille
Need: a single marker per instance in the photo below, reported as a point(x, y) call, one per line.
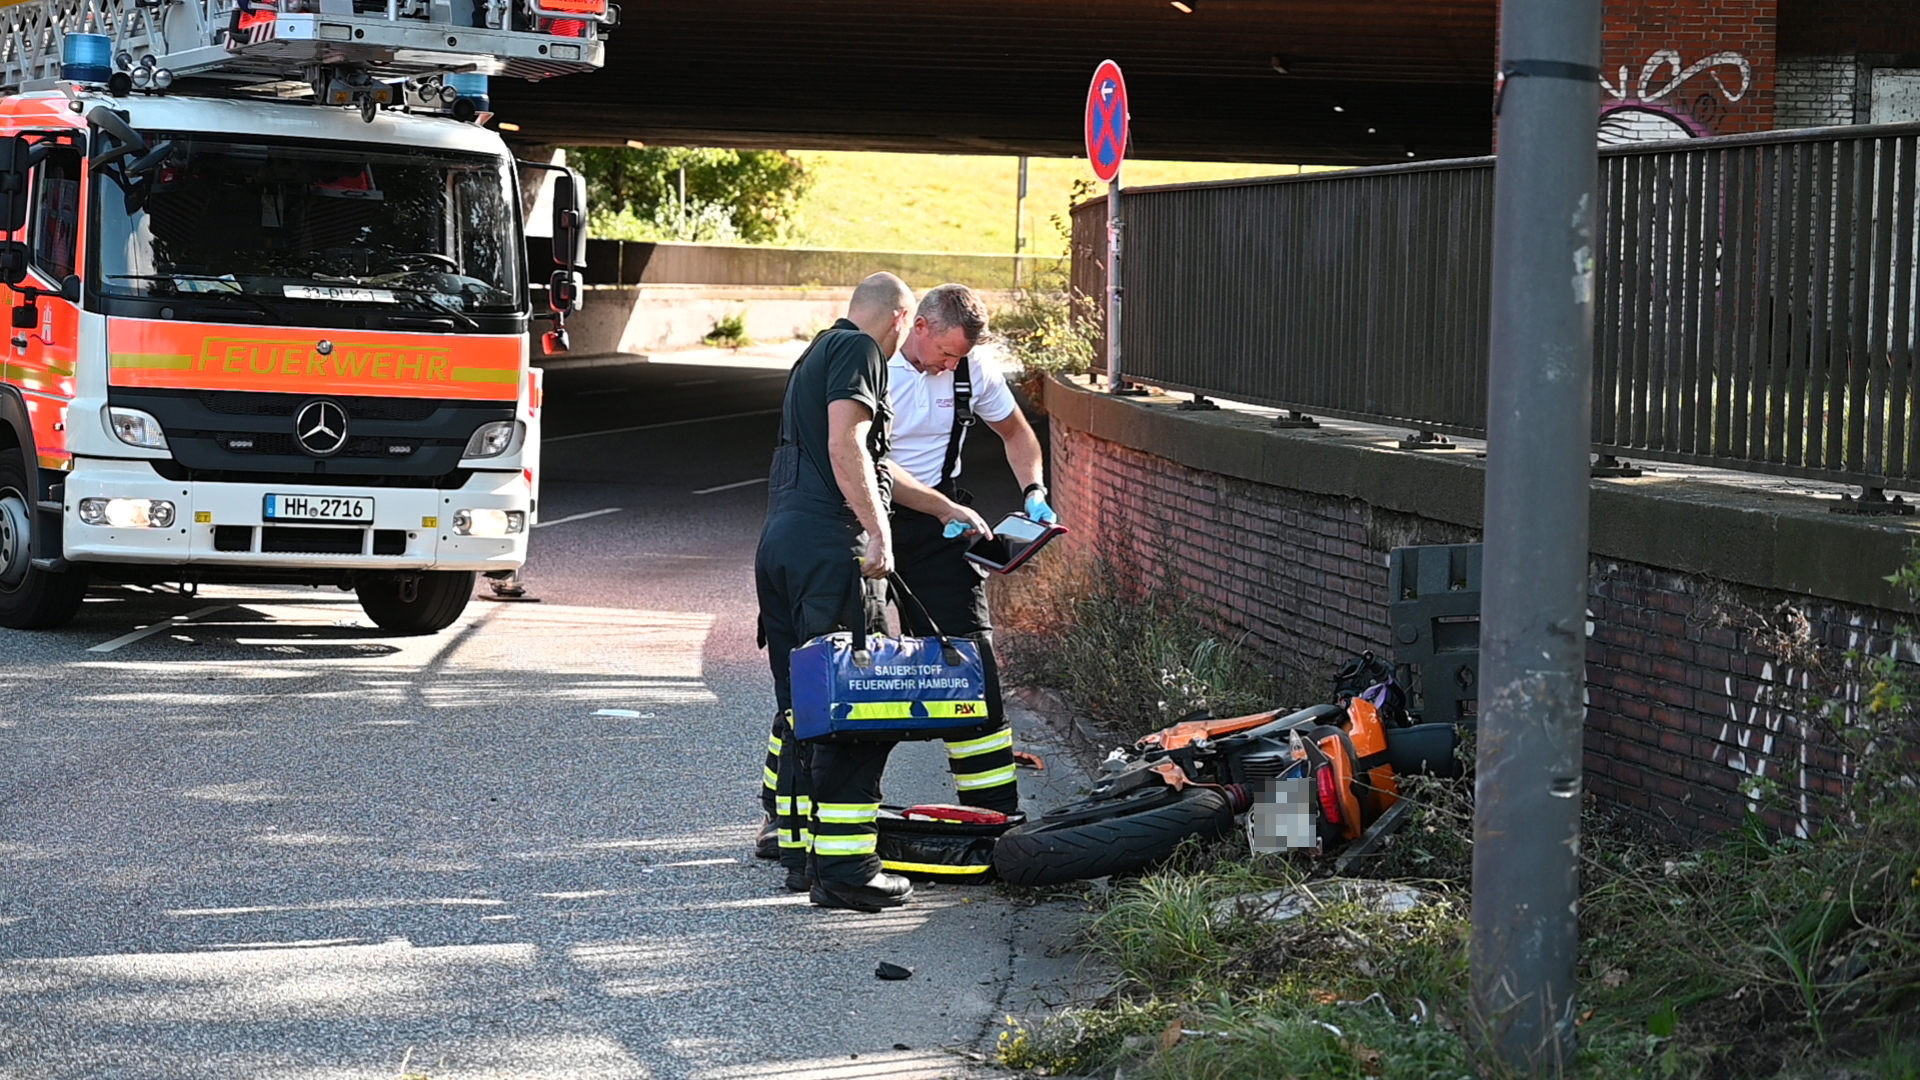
point(365, 446)
point(235, 404)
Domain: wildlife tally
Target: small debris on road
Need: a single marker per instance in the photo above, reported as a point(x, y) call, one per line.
point(624, 714)
point(892, 972)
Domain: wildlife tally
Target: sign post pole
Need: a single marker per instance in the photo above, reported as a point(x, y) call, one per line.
point(1108, 128)
point(1113, 285)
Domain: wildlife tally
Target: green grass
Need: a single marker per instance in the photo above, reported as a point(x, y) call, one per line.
point(868, 201)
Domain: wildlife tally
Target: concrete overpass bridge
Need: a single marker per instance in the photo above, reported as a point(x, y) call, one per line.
point(1343, 82)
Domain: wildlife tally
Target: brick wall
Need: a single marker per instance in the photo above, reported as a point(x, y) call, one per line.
point(1700, 67)
point(1691, 682)
point(1305, 575)
point(1816, 91)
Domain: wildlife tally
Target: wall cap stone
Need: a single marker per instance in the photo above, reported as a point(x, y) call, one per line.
point(1764, 539)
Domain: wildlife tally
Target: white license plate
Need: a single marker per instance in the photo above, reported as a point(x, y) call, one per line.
point(348, 509)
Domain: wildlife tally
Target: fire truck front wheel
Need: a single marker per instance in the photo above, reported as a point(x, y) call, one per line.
point(31, 598)
point(423, 603)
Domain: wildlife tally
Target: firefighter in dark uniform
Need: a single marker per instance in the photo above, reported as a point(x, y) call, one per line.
point(937, 389)
point(826, 526)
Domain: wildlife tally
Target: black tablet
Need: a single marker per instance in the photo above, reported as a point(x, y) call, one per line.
point(1015, 540)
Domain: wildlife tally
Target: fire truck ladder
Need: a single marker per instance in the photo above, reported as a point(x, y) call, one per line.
point(342, 51)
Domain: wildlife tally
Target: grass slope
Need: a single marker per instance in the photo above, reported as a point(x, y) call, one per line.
point(948, 202)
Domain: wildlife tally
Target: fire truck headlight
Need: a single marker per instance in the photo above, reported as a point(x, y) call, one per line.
point(492, 440)
point(489, 523)
point(127, 513)
point(135, 428)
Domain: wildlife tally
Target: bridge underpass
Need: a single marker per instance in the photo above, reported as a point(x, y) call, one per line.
point(1008, 77)
point(1352, 82)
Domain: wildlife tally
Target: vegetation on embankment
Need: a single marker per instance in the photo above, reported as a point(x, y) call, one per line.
point(1751, 956)
point(853, 200)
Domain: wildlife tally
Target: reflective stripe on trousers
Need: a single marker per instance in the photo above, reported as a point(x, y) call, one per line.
point(983, 771)
point(846, 828)
point(770, 775)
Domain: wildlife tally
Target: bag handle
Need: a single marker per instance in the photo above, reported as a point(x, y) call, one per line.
point(856, 606)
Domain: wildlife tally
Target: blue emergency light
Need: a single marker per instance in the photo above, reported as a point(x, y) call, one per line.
point(472, 88)
point(86, 58)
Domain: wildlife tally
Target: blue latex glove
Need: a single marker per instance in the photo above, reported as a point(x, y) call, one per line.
point(1038, 510)
point(955, 529)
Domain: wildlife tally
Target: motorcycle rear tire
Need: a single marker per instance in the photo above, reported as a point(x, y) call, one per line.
point(1040, 853)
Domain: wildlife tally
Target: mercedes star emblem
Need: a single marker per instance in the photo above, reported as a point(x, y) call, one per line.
point(321, 427)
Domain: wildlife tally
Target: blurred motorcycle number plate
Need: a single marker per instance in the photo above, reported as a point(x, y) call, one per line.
point(1282, 816)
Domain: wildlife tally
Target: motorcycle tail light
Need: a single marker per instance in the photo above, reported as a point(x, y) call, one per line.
point(1329, 786)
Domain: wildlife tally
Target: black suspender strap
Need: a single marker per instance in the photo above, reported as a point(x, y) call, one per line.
point(962, 419)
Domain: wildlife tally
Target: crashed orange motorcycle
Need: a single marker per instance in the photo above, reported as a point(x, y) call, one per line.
point(1317, 778)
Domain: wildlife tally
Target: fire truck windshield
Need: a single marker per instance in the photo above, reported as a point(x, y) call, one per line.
point(287, 227)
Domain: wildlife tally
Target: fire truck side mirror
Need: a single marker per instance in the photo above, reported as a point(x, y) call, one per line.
point(13, 261)
point(16, 162)
point(569, 221)
point(563, 292)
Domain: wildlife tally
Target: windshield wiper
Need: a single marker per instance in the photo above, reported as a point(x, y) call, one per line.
point(436, 303)
point(246, 297)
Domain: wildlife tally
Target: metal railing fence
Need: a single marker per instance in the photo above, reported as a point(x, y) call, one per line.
point(1755, 298)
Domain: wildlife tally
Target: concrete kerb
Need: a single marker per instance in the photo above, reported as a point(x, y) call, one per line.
point(1765, 539)
point(1043, 976)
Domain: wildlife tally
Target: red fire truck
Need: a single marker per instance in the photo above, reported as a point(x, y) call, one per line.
point(270, 296)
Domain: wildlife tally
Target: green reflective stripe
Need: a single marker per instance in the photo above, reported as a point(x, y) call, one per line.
point(784, 804)
point(772, 778)
point(990, 778)
point(999, 740)
point(787, 840)
point(150, 361)
point(773, 745)
point(848, 813)
point(933, 868)
point(864, 844)
point(486, 375)
point(903, 710)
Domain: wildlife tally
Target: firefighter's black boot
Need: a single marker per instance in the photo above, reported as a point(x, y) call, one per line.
point(882, 891)
point(767, 844)
point(803, 878)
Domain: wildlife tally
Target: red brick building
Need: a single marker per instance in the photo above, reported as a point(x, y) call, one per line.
point(1680, 68)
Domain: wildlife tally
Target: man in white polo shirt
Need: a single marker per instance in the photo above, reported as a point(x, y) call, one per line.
point(937, 389)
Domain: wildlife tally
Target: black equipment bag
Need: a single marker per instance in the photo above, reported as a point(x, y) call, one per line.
point(926, 847)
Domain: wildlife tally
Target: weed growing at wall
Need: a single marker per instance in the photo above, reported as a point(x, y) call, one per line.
point(729, 332)
point(1131, 653)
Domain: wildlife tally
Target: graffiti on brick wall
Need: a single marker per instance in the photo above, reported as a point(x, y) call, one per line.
point(1769, 739)
point(1748, 738)
point(1672, 99)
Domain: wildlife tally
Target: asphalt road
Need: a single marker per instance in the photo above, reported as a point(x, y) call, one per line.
point(267, 839)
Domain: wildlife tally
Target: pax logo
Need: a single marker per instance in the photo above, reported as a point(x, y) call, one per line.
point(966, 708)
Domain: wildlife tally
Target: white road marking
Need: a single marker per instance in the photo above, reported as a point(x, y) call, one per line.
point(156, 628)
point(652, 427)
point(730, 487)
point(578, 517)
